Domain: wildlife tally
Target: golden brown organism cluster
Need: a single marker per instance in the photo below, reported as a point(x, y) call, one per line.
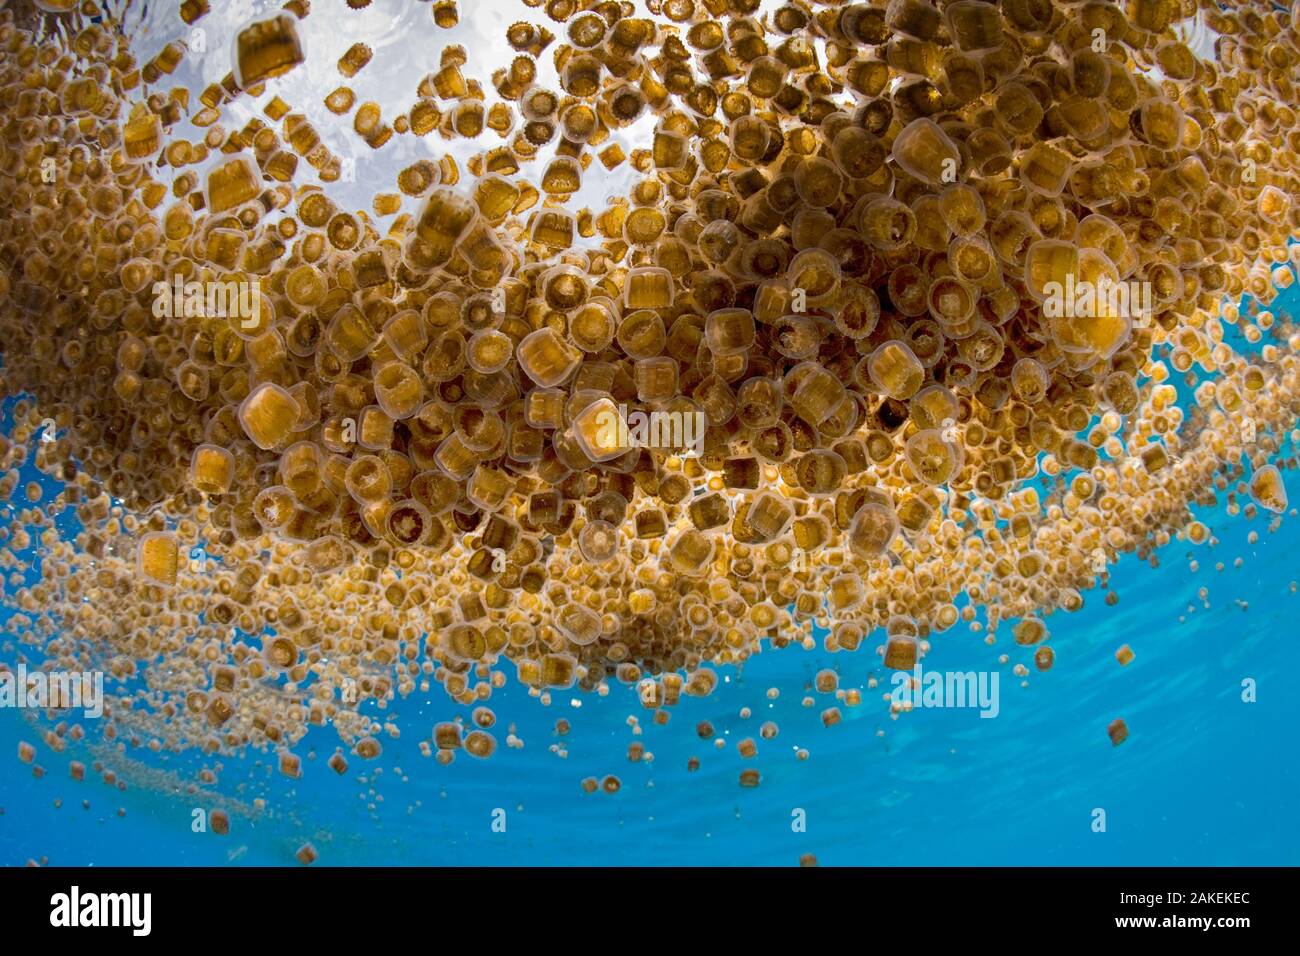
point(927, 276)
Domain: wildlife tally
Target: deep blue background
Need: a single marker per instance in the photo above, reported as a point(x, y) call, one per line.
point(1204, 778)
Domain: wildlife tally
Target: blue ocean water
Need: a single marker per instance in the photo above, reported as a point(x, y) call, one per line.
point(1205, 778)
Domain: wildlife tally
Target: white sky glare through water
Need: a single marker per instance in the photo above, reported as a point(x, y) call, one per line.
point(407, 46)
